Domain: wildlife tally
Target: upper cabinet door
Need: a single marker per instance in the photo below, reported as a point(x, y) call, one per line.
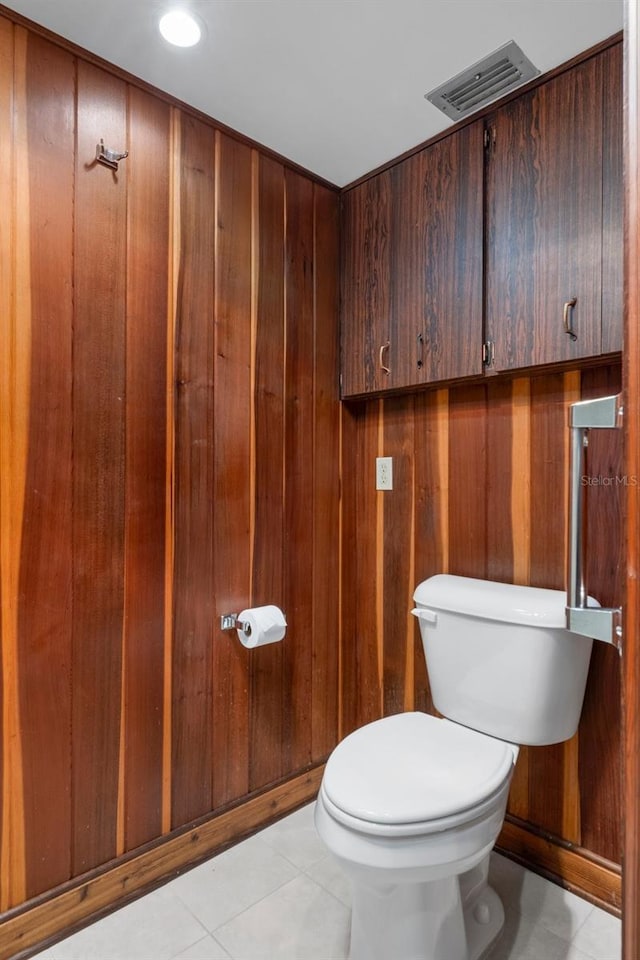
point(367, 361)
point(544, 221)
point(436, 259)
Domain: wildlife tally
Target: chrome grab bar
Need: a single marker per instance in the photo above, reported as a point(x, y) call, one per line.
point(600, 623)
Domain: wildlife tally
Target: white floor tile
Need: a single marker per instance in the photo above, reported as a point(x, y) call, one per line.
point(157, 926)
point(295, 838)
point(329, 875)
point(227, 884)
point(560, 911)
point(522, 939)
point(600, 936)
point(301, 921)
point(205, 949)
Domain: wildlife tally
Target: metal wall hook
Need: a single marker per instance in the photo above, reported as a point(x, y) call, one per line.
point(110, 158)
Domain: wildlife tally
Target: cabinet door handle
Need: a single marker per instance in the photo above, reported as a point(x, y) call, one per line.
point(567, 316)
point(385, 346)
point(420, 360)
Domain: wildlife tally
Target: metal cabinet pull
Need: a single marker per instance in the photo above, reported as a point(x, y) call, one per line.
point(385, 346)
point(567, 317)
point(600, 623)
point(420, 360)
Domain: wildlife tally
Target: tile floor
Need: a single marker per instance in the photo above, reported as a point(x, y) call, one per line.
point(278, 896)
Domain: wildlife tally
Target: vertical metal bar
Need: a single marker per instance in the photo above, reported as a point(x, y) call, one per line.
point(576, 592)
point(599, 623)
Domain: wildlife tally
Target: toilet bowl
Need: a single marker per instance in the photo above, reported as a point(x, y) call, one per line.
point(412, 804)
point(413, 832)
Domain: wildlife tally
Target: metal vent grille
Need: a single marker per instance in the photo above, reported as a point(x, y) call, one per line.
point(485, 81)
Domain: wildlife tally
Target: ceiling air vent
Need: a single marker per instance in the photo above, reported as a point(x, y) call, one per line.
point(485, 81)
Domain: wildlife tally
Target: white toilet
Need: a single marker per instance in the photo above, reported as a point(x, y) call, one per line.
point(411, 805)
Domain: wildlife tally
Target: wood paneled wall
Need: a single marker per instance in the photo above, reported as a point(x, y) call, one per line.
point(480, 490)
point(170, 443)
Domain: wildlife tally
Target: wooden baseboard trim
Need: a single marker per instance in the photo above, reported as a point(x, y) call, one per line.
point(35, 925)
point(580, 871)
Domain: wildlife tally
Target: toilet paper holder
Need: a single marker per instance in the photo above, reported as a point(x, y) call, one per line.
point(230, 621)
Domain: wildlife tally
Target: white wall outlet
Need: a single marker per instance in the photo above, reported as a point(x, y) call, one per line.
point(384, 473)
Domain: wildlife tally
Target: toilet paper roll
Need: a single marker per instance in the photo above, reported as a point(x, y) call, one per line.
point(261, 625)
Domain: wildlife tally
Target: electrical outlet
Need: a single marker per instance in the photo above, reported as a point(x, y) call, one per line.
point(384, 473)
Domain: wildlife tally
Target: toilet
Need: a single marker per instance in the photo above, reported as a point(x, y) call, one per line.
point(411, 805)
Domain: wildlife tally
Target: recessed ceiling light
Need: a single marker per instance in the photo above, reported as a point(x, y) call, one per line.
point(180, 28)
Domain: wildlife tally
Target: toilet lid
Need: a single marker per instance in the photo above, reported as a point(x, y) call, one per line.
point(413, 767)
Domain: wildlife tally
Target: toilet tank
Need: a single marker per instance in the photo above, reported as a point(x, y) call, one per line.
point(500, 659)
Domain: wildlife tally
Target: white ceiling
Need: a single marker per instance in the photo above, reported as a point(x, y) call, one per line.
point(335, 85)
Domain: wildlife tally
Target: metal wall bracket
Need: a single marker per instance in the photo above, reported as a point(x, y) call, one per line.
point(230, 621)
point(600, 623)
point(109, 158)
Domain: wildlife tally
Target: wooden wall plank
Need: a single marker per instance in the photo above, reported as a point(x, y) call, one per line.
point(548, 429)
point(234, 482)
point(299, 465)
point(194, 486)
point(44, 611)
point(361, 692)
point(15, 330)
point(431, 504)
point(146, 451)
point(326, 501)
point(500, 469)
point(521, 522)
point(6, 293)
point(267, 689)
point(468, 481)
point(521, 479)
point(397, 549)
point(173, 283)
point(98, 467)
point(548, 490)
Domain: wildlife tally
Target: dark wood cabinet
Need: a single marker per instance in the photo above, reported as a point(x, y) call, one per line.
point(554, 240)
point(508, 230)
point(412, 270)
point(436, 261)
point(366, 287)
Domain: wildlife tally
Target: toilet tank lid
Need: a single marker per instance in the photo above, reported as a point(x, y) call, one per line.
point(489, 600)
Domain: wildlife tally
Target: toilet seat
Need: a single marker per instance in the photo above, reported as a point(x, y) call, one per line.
point(413, 773)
